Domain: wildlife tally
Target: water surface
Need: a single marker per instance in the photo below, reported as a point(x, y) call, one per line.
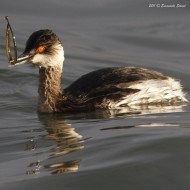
point(95, 150)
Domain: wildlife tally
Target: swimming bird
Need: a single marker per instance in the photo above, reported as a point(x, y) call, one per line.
point(107, 88)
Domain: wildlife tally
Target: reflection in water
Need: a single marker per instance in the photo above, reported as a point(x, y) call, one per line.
point(148, 109)
point(64, 167)
point(30, 145)
point(67, 141)
point(143, 125)
point(35, 168)
point(126, 112)
point(143, 110)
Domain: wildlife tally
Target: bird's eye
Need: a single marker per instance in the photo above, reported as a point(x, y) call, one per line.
point(40, 49)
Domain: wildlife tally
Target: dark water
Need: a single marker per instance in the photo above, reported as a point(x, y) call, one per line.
point(95, 150)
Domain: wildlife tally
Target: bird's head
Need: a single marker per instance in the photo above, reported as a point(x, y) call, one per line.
point(43, 48)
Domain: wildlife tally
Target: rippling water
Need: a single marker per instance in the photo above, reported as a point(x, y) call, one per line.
point(95, 150)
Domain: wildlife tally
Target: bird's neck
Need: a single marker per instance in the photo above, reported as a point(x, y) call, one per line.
point(49, 88)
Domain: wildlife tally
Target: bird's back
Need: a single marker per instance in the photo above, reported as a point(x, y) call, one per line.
point(121, 86)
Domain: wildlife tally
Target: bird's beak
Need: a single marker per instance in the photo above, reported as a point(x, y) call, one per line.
point(22, 59)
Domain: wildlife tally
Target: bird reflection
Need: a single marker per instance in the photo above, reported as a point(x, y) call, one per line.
point(64, 167)
point(147, 109)
point(67, 141)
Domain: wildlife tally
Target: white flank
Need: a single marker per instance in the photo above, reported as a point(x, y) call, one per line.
point(153, 92)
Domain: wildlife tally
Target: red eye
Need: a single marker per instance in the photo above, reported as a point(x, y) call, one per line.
point(40, 49)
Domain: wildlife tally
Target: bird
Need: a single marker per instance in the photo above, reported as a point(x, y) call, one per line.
point(105, 88)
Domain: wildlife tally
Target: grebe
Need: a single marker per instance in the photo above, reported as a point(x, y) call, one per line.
point(108, 88)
